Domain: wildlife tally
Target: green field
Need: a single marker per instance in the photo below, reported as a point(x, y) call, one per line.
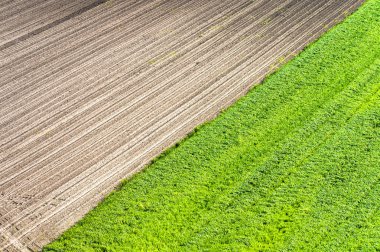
point(292, 166)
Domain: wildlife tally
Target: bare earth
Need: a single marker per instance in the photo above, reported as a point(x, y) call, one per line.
point(91, 91)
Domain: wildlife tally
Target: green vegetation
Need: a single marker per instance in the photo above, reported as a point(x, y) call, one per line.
point(292, 166)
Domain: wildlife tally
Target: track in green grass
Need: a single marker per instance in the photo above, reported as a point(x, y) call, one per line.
point(294, 165)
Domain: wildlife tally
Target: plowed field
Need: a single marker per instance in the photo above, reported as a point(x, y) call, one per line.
point(91, 91)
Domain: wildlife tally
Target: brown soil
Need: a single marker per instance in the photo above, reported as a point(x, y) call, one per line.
point(91, 91)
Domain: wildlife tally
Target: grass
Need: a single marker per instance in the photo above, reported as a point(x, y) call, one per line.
point(292, 166)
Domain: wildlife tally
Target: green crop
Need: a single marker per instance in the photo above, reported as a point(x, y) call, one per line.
point(292, 166)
